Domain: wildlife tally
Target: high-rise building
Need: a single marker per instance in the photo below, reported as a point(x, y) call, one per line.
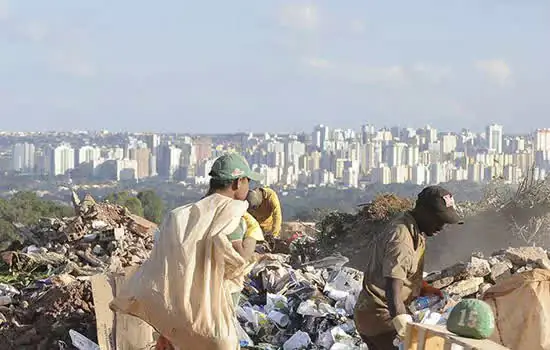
point(23, 157)
point(542, 140)
point(494, 138)
point(321, 137)
point(142, 156)
point(62, 159)
point(87, 154)
point(203, 148)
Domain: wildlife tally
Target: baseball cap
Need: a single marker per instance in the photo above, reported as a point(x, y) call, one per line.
point(441, 202)
point(232, 166)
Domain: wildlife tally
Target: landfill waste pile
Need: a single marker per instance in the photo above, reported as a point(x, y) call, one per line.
point(44, 287)
point(306, 308)
point(311, 307)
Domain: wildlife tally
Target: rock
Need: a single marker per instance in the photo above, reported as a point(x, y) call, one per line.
point(478, 267)
point(458, 271)
point(499, 271)
point(465, 287)
point(443, 282)
point(433, 276)
point(524, 255)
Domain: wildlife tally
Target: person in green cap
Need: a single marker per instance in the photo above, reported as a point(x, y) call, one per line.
point(230, 176)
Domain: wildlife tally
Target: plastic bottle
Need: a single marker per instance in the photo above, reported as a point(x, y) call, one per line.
point(422, 303)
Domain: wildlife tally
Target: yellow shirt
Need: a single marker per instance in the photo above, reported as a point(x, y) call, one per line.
point(268, 214)
point(248, 227)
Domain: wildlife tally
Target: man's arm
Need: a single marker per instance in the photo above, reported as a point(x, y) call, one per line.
point(393, 295)
point(276, 213)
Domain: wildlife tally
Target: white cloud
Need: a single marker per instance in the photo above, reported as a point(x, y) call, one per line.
point(496, 70)
point(299, 16)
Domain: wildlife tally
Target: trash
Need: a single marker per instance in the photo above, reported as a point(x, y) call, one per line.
point(81, 342)
point(300, 340)
point(45, 281)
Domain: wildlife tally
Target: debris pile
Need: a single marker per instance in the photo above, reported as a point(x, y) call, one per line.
point(310, 307)
point(471, 279)
point(345, 233)
point(43, 286)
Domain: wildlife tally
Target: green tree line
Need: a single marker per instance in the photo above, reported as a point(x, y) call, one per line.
point(27, 208)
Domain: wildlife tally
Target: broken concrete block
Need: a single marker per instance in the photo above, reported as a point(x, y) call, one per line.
point(443, 282)
point(524, 255)
point(500, 271)
point(458, 271)
point(478, 267)
point(465, 287)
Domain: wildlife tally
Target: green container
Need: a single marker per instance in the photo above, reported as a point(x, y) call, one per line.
point(472, 318)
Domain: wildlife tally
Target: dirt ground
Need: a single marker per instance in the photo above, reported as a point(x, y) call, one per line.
point(45, 324)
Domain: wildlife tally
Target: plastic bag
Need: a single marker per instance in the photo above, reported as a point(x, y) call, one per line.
point(298, 341)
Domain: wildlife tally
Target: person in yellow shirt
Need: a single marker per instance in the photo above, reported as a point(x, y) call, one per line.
point(265, 207)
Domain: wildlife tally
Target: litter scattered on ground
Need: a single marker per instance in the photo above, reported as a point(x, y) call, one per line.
point(44, 292)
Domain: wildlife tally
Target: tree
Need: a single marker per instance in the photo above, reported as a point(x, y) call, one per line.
point(153, 206)
point(125, 199)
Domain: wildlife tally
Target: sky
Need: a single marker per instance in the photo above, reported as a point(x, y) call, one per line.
point(274, 66)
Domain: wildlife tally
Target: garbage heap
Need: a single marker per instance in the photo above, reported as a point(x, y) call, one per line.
point(44, 287)
point(306, 308)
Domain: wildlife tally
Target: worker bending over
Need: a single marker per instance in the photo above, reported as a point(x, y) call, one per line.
point(395, 266)
point(265, 207)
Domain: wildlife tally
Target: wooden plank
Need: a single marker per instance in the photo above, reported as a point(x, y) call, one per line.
point(434, 341)
point(131, 332)
point(102, 290)
point(473, 344)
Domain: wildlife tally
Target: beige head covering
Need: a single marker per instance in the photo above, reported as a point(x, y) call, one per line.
point(254, 198)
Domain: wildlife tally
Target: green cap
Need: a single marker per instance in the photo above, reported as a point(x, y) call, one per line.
point(232, 166)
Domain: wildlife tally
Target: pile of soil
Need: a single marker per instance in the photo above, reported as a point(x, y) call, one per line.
point(46, 322)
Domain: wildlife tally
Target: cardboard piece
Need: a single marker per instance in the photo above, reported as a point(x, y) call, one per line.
point(117, 331)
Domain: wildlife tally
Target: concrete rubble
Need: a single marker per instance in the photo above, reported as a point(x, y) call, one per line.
point(45, 290)
point(472, 278)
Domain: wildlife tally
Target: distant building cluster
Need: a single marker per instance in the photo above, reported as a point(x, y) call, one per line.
point(324, 157)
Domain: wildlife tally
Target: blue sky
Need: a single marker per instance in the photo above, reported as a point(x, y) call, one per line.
point(227, 66)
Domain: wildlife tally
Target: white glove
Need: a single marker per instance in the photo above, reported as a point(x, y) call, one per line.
point(400, 324)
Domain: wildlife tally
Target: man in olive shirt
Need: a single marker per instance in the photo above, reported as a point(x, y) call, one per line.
point(393, 274)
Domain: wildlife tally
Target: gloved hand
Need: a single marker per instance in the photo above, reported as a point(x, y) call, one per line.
point(400, 324)
point(429, 290)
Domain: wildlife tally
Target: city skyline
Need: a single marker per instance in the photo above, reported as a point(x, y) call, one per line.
point(323, 157)
point(272, 66)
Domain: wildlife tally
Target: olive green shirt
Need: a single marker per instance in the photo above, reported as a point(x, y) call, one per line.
point(396, 252)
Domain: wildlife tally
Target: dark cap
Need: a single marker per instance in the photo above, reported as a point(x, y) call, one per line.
point(441, 202)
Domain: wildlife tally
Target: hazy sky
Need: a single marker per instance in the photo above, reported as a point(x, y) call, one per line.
point(226, 66)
